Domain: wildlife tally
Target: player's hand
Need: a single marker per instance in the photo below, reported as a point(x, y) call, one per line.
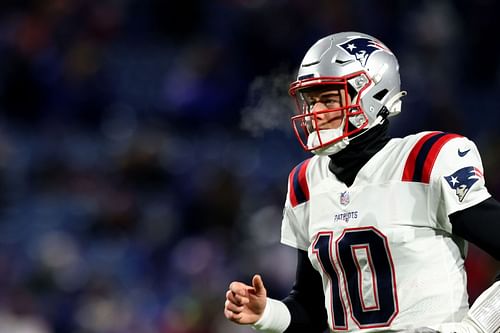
point(245, 304)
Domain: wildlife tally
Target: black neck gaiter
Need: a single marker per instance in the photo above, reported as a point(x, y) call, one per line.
point(347, 163)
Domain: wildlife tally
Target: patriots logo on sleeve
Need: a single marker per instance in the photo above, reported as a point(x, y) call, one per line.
point(462, 180)
point(362, 48)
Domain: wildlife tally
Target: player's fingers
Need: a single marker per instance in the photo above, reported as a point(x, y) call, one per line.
point(232, 316)
point(228, 314)
point(258, 284)
point(236, 309)
point(236, 299)
point(239, 288)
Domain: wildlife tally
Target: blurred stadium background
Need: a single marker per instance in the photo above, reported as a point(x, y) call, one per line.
point(145, 146)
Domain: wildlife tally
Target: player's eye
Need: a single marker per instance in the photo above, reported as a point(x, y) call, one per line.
point(331, 103)
point(310, 100)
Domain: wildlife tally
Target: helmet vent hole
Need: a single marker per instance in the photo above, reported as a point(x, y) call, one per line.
point(381, 94)
point(342, 62)
point(311, 63)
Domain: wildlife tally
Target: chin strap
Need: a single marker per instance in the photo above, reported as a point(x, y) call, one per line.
point(391, 108)
point(394, 104)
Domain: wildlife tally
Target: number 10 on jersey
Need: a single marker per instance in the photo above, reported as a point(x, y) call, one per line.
point(359, 262)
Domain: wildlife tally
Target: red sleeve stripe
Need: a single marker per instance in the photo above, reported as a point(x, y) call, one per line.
point(421, 160)
point(409, 169)
point(299, 191)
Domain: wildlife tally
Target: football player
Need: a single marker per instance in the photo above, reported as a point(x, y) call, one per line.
point(380, 224)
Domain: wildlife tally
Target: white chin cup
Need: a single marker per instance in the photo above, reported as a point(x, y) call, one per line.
point(313, 140)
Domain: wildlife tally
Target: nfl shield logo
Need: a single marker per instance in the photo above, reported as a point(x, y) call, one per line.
point(344, 198)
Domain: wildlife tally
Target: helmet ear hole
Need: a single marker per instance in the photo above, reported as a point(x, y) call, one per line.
point(381, 94)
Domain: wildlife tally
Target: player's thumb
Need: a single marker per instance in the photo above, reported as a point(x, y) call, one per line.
point(258, 285)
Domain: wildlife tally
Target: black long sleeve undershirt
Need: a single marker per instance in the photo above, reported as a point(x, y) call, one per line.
point(480, 225)
point(306, 301)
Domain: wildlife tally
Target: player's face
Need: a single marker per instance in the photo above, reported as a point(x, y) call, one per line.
point(326, 104)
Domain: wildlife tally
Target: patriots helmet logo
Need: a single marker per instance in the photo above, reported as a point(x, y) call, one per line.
point(362, 48)
point(462, 180)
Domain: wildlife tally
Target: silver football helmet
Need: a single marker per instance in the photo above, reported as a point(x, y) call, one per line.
point(357, 65)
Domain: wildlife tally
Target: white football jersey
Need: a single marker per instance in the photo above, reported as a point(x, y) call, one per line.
point(383, 246)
